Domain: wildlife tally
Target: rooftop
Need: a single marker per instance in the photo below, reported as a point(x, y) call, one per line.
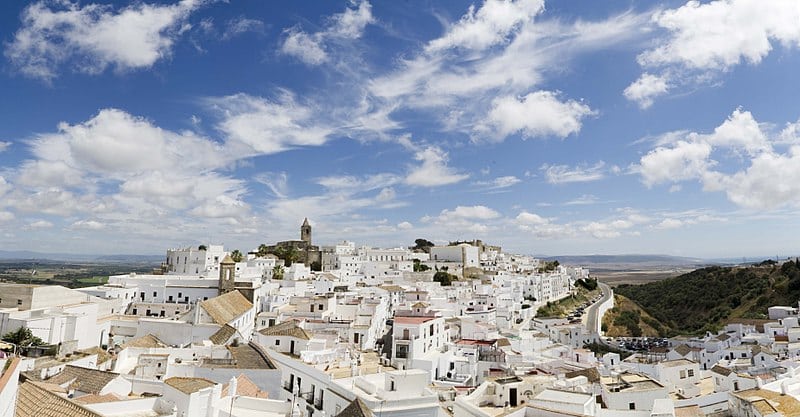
point(189, 385)
point(34, 400)
point(86, 380)
point(226, 307)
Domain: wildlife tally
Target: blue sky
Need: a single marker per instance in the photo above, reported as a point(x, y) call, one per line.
point(569, 127)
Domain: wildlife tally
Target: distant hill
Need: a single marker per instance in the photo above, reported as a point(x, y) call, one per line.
point(628, 261)
point(41, 257)
point(707, 298)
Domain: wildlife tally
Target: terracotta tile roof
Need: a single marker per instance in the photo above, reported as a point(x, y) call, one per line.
point(768, 402)
point(102, 355)
point(592, 374)
point(245, 387)
point(86, 380)
point(33, 400)
point(721, 370)
point(94, 399)
point(689, 411)
point(188, 385)
point(226, 307)
point(250, 356)
point(357, 408)
point(392, 288)
point(287, 328)
point(146, 341)
point(222, 335)
point(682, 349)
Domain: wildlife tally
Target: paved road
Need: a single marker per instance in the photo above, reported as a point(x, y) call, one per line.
point(591, 312)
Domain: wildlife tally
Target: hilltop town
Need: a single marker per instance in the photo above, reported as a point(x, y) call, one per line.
point(296, 329)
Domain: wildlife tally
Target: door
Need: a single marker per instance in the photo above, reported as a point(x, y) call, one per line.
point(512, 397)
point(291, 347)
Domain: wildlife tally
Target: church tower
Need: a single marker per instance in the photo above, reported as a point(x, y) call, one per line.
point(305, 232)
point(227, 272)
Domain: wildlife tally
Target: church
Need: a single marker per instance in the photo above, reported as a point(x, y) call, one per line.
point(303, 250)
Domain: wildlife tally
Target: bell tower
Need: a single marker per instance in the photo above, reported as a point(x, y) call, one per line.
point(305, 232)
point(227, 272)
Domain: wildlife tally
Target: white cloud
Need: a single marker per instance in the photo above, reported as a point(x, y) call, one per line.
point(771, 180)
point(683, 161)
point(491, 24)
point(703, 39)
point(4, 146)
point(669, 224)
point(722, 33)
point(277, 182)
point(304, 47)
point(93, 37)
point(351, 183)
point(263, 126)
point(538, 114)
point(87, 225)
point(310, 48)
point(499, 182)
point(240, 25)
point(531, 219)
point(433, 170)
point(562, 174)
point(469, 212)
point(645, 89)
point(405, 226)
point(40, 224)
point(6, 216)
point(352, 22)
point(585, 199)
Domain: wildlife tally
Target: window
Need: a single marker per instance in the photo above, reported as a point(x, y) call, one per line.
point(155, 293)
point(631, 406)
point(683, 374)
point(320, 307)
point(277, 342)
point(19, 302)
point(690, 373)
point(134, 311)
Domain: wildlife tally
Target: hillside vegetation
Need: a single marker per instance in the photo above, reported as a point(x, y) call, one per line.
point(626, 318)
point(705, 299)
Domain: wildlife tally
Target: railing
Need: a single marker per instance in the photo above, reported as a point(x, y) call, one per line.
point(287, 386)
point(318, 403)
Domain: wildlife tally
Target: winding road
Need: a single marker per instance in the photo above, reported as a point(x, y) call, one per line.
point(592, 320)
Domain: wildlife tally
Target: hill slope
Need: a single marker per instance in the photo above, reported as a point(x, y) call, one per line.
point(705, 299)
point(628, 319)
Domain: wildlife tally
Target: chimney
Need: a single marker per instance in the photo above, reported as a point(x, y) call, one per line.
point(232, 387)
point(759, 382)
point(785, 387)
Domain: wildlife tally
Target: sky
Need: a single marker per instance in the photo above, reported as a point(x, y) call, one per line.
point(557, 127)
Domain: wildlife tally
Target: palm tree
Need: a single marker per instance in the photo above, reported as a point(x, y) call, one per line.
point(263, 250)
point(277, 272)
point(236, 255)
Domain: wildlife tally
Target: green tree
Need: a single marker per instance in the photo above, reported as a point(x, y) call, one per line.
point(444, 278)
point(316, 266)
point(420, 267)
point(202, 247)
point(277, 272)
point(236, 255)
point(263, 250)
point(23, 337)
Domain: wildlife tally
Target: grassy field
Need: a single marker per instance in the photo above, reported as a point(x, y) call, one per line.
point(67, 274)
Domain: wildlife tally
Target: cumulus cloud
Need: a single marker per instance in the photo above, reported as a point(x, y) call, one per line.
point(562, 174)
point(310, 48)
point(256, 125)
point(433, 170)
point(92, 37)
point(769, 181)
point(405, 226)
point(681, 161)
point(538, 114)
point(711, 37)
point(646, 88)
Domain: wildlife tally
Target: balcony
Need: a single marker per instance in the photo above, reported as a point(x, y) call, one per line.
point(318, 403)
point(288, 387)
